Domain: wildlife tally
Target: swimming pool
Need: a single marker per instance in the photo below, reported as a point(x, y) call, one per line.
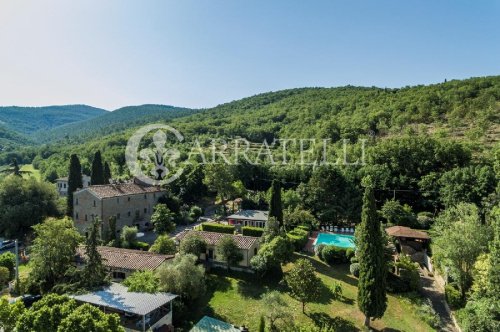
point(338, 240)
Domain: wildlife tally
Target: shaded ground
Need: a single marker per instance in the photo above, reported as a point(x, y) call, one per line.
point(432, 290)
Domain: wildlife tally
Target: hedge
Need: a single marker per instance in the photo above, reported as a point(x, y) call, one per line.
point(334, 255)
point(217, 228)
point(298, 237)
point(252, 231)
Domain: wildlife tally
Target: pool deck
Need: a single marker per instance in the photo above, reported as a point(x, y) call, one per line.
point(312, 239)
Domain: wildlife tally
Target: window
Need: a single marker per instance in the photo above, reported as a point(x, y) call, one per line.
point(117, 216)
point(86, 219)
point(76, 203)
point(118, 275)
point(118, 200)
point(88, 183)
point(64, 185)
point(145, 210)
point(255, 251)
point(94, 202)
point(145, 196)
point(128, 214)
point(76, 216)
point(128, 199)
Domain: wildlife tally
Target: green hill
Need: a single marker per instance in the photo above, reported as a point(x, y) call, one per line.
point(10, 139)
point(28, 120)
point(111, 122)
point(463, 110)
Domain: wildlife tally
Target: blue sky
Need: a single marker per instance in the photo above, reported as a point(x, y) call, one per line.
point(202, 53)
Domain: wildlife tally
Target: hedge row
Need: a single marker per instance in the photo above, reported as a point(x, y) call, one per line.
point(218, 228)
point(252, 231)
point(298, 237)
point(334, 255)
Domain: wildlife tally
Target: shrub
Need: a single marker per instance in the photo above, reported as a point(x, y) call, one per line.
point(354, 268)
point(218, 228)
point(4, 275)
point(349, 254)
point(140, 245)
point(306, 228)
point(298, 237)
point(333, 255)
point(252, 231)
point(427, 313)
point(453, 297)
point(396, 285)
point(8, 260)
point(408, 271)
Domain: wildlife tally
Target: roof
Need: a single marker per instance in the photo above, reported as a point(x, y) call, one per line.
point(128, 259)
point(212, 238)
point(116, 296)
point(401, 231)
point(122, 189)
point(209, 324)
point(250, 215)
point(65, 178)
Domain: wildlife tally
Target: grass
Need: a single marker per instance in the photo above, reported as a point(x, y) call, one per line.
point(235, 298)
point(30, 171)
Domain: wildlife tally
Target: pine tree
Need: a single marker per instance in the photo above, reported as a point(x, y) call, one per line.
point(275, 205)
point(97, 176)
point(372, 298)
point(107, 173)
point(94, 272)
point(74, 182)
point(15, 168)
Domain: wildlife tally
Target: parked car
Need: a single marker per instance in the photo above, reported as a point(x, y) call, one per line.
point(204, 219)
point(7, 244)
point(28, 299)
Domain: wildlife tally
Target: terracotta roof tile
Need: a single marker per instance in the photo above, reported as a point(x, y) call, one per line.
point(401, 231)
point(122, 189)
point(212, 238)
point(128, 258)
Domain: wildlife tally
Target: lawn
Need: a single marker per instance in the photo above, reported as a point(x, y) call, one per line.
point(30, 171)
point(235, 298)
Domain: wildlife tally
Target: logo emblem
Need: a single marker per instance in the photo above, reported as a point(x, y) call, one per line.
point(154, 163)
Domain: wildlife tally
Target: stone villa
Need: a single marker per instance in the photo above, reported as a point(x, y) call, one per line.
point(62, 184)
point(131, 203)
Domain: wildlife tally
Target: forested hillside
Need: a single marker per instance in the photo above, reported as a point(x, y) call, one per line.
point(465, 111)
point(111, 122)
point(28, 120)
point(10, 140)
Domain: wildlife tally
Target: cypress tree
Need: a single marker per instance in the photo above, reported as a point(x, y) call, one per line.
point(275, 206)
point(372, 298)
point(97, 175)
point(15, 168)
point(107, 173)
point(94, 271)
point(74, 181)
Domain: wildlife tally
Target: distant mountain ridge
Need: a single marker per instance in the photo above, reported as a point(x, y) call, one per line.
point(111, 122)
point(29, 120)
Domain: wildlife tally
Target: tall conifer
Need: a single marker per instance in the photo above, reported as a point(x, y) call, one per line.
point(107, 173)
point(275, 205)
point(97, 176)
point(372, 298)
point(74, 181)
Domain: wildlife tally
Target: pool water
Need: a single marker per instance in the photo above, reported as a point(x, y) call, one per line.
point(338, 240)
